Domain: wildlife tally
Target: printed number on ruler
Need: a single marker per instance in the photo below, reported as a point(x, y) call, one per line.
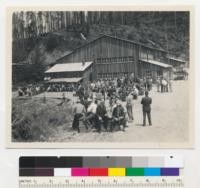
point(101, 182)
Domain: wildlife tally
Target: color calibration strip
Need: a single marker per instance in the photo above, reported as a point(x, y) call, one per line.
point(100, 166)
point(103, 162)
point(112, 172)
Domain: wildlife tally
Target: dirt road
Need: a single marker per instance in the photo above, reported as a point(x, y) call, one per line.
point(169, 117)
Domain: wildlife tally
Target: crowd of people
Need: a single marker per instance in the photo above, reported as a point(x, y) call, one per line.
point(121, 87)
point(105, 103)
point(33, 90)
point(99, 116)
point(30, 90)
point(106, 86)
point(109, 115)
point(108, 104)
point(163, 85)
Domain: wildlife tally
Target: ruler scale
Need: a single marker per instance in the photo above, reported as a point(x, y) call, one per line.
point(99, 182)
point(101, 172)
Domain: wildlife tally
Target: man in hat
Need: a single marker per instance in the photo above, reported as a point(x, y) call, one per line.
point(101, 115)
point(119, 116)
point(164, 85)
point(109, 109)
point(79, 111)
point(146, 108)
point(149, 83)
point(129, 106)
point(135, 92)
point(20, 92)
point(91, 112)
point(158, 84)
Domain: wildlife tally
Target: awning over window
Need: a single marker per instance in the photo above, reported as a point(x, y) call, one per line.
point(65, 80)
point(164, 65)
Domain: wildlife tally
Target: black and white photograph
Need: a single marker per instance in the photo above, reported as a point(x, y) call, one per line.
point(100, 78)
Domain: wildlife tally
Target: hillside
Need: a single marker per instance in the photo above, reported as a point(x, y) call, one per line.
point(160, 30)
point(57, 44)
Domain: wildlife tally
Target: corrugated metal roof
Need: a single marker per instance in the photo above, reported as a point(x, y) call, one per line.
point(68, 80)
point(69, 67)
point(156, 63)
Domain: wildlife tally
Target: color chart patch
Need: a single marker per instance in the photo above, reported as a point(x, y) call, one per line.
point(100, 166)
point(115, 172)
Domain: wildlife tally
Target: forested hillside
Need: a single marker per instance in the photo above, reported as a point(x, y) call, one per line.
point(67, 30)
point(40, 38)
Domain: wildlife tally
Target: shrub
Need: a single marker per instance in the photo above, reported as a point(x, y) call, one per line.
point(33, 120)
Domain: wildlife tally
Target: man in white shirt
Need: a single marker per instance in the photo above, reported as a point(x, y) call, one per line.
point(91, 113)
point(92, 107)
point(92, 86)
point(79, 111)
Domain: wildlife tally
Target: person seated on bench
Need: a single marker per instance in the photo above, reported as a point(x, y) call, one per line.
point(91, 116)
point(101, 115)
point(119, 116)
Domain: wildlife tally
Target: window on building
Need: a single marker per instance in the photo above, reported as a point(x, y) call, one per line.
point(143, 55)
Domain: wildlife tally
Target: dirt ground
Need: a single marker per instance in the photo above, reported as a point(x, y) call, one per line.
point(169, 118)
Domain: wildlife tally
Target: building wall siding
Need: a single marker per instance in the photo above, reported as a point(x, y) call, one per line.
point(106, 47)
point(110, 47)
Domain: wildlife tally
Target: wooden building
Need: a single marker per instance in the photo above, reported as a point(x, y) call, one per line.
point(69, 72)
point(113, 57)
